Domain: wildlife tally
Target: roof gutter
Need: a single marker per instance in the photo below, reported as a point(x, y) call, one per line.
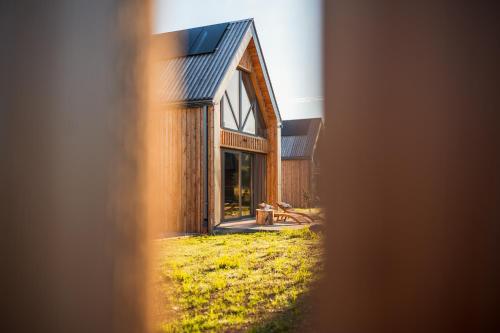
point(197, 103)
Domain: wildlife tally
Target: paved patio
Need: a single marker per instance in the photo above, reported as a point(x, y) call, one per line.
point(247, 226)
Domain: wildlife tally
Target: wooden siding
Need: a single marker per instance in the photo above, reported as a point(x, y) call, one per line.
point(221, 138)
point(182, 169)
point(181, 166)
point(246, 62)
point(273, 159)
point(215, 187)
point(296, 179)
point(241, 141)
point(183, 159)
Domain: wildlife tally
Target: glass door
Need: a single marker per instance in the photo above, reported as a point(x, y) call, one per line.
point(246, 184)
point(237, 193)
point(231, 186)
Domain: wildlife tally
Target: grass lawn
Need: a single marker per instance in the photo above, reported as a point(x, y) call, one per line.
point(314, 211)
point(238, 282)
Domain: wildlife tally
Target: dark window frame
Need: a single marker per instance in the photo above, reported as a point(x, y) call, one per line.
point(253, 204)
point(260, 128)
point(230, 109)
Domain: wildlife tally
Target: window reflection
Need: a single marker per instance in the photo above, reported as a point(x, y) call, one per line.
point(228, 118)
point(240, 109)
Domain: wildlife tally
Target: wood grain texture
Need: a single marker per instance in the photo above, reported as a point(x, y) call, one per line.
point(182, 169)
point(270, 146)
point(296, 179)
point(211, 168)
point(264, 217)
point(246, 62)
point(230, 139)
point(273, 159)
point(216, 189)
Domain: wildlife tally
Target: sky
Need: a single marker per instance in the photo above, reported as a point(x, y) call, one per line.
point(290, 36)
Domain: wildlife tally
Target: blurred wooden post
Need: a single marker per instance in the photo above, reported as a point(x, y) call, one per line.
point(74, 91)
point(410, 167)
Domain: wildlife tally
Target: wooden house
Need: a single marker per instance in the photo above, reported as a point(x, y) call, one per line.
point(299, 161)
point(221, 126)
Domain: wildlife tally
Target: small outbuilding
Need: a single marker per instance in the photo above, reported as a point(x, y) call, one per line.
point(221, 126)
point(299, 161)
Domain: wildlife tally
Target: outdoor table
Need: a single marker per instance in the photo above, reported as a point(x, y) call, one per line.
point(264, 216)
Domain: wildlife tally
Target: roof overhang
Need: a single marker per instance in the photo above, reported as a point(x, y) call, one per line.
point(250, 34)
point(266, 73)
point(192, 103)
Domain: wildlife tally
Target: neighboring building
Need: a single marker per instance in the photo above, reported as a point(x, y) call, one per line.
point(299, 163)
point(223, 133)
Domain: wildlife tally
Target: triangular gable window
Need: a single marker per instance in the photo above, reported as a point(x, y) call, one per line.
point(240, 109)
point(249, 126)
point(228, 115)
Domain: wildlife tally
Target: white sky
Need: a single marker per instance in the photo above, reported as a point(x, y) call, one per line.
point(290, 35)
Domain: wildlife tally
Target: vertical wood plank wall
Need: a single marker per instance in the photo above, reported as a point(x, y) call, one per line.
point(215, 190)
point(279, 179)
point(212, 168)
point(296, 179)
point(183, 157)
point(273, 165)
point(182, 169)
point(273, 160)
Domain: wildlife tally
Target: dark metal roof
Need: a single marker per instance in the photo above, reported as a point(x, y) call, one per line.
point(196, 78)
point(200, 74)
point(192, 41)
point(298, 138)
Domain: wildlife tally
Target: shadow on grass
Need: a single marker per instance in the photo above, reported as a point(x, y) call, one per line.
point(299, 317)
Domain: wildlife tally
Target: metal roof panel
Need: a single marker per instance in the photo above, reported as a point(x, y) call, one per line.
point(298, 138)
point(196, 77)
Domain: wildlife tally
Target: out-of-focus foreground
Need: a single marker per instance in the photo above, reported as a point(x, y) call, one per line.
point(74, 233)
point(410, 167)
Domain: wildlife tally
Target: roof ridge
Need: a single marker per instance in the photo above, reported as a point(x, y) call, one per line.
point(208, 25)
point(203, 72)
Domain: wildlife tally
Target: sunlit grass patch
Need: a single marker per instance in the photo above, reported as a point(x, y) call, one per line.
point(236, 282)
point(313, 210)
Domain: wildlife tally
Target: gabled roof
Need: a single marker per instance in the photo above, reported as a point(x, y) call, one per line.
point(203, 72)
point(298, 138)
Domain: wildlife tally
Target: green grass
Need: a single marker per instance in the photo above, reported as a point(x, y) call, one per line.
point(238, 282)
point(309, 210)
